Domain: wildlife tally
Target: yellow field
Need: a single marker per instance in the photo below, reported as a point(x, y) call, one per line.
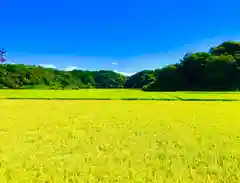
point(119, 141)
point(117, 94)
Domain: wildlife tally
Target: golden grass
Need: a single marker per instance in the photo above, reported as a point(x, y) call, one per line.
point(119, 141)
point(116, 94)
point(112, 94)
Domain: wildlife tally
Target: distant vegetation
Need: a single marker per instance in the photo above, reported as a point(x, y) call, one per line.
point(23, 76)
point(218, 69)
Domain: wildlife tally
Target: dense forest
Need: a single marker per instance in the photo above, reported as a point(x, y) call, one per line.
point(32, 77)
point(217, 69)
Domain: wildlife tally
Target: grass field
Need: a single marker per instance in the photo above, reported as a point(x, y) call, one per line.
point(119, 141)
point(117, 94)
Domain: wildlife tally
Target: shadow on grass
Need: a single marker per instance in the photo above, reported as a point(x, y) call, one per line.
point(129, 99)
point(223, 100)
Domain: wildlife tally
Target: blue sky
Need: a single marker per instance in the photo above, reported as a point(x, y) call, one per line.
point(126, 36)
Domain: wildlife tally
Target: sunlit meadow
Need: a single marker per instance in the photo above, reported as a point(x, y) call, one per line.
point(119, 141)
point(116, 94)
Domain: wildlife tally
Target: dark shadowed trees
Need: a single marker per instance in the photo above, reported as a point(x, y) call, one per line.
point(140, 79)
point(218, 69)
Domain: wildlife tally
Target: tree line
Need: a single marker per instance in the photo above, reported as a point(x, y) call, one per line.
point(19, 76)
point(217, 69)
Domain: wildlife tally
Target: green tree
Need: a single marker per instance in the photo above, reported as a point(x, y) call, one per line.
point(192, 68)
point(140, 79)
point(229, 48)
point(25, 76)
point(168, 78)
point(220, 72)
point(217, 70)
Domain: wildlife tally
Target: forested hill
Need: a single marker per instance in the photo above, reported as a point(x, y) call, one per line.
point(23, 76)
point(217, 69)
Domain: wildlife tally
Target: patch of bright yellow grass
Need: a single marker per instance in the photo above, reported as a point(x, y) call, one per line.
point(116, 94)
point(119, 141)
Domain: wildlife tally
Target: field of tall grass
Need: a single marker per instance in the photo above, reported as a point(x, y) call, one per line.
point(117, 94)
point(119, 141)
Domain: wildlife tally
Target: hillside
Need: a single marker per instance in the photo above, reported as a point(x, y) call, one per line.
point(23, 76)
point(218, 69)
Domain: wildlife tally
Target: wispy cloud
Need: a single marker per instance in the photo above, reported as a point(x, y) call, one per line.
point(125, 73)
point(71, 68)
point(114, 63)
point(48, 66)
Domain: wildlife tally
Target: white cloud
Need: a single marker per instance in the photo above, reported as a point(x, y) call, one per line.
point(125, 73)
point(48, 66)
point(114, 63)
point(71, 68)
